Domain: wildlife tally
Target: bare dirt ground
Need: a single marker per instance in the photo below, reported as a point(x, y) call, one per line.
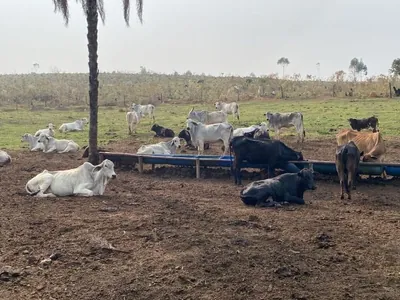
point(194, 239)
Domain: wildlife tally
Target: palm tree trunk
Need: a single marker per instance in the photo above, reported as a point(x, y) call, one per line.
point(92, 20)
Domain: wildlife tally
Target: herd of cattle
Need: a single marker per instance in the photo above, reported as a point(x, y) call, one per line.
point(253, 145)
point(246, 144)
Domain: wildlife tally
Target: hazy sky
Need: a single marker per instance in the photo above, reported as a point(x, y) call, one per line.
point(210, 36)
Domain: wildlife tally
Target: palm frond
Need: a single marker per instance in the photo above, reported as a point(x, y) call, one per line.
point(62, 6)
point(139, 9)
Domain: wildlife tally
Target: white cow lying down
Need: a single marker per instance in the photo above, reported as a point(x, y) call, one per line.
point(34, 145)
point(49, 130)
point(73, 126)
point(51, 144)
point(5, 158)
point(161, 148)
point(86, 180)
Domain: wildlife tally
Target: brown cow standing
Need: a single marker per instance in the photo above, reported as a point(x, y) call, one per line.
point(347, 162)
point(367, 142)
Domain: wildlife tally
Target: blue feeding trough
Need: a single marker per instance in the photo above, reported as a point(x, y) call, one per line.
point(322, 167)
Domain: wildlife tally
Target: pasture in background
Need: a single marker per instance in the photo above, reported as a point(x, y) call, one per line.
point(322, 118)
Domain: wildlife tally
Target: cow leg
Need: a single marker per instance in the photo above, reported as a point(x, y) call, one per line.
point(293, 199)
point(238, 179)
point(349, 183)
point(200, 148)
point(46, 181)
point(50, 150)
point(81, 190)
point(69, 148)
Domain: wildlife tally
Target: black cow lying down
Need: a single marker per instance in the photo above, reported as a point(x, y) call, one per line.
point(162, 131)
point(273, 153)
point(358, 124)
point(288, 187)
point(185, 134)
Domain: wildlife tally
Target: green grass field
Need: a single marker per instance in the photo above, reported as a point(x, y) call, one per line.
point(321, 117)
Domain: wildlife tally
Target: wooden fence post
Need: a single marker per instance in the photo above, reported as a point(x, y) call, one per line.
point(140, 164)
point(197, 168)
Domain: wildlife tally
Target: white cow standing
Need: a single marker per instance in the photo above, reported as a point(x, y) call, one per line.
point(201, 133)
point(133, 119)
point(148, 109)
point(51, 144)
point(228, 108)
point(5, 158)
point(73, 126)
point(206, 117)
point(169, 147)
point(284, 120)
point(86, 180)
point(49, 130)
point(33, 142)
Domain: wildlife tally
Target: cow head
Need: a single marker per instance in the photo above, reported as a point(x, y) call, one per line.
point(218, 105)
point(185, 135)
point(176, 142)
point(307, 179)
point(43, 138)
point(84, 121)
point(268, 115)
point(106, 168)
point(50, 126)
point(155, 127)
point(369, 158)
point(24, 138)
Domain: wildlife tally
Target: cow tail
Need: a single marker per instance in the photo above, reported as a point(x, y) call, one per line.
point(346, 174)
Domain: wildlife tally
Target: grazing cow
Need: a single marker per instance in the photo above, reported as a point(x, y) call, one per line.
point(34, 145)
point(162, 131)
point(133, 119)
point(5, 158)
point(273, 153)
point(49, 130)
point(285, 120)
point(185, 135)
point(206, 117)
point(228, 108)
point(347, 160)
point(288, 187)
point(201, 133)
point(145, 110)
point(86, 180)
point(161, 148)
point(51, 144)
point(358, 124)
point(73, 126)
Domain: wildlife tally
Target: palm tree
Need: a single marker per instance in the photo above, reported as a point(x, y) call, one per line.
point(92, 9)
point(283, 61)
